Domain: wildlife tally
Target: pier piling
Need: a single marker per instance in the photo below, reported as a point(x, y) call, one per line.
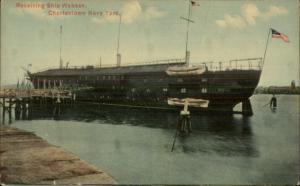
point(3, 111)
point(24, 101)
point(17, 109)
point(10, 110)
point(247, 108)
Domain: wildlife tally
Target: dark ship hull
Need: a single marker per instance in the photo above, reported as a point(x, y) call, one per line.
point(151, 86)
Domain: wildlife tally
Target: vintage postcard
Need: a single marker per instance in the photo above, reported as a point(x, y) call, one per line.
point(146, 92)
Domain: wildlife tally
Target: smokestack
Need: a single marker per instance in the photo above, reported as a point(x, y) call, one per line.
point(60, 60)
point(118, 60)
point(187, 57)
point(118, 44)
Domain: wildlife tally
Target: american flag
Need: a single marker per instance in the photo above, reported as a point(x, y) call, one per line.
point(194, 3)
point(276, 34)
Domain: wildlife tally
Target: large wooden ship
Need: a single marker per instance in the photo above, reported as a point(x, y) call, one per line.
point(151, 85)
point(159, 83)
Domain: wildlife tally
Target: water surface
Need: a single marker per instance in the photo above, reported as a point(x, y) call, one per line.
point(134, 146)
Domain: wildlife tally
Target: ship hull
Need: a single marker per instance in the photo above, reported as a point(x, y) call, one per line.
point(223, 90)
point(150, 87)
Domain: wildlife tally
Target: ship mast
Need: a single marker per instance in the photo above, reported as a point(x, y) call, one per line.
point(187, 52)
point(100, 62)
point(118, 42)
point(60, 60)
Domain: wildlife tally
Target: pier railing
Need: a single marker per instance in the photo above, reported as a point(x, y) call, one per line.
point(27, 93)
point(236, 64)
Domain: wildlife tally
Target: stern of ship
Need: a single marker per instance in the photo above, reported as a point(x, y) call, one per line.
point(223, 84)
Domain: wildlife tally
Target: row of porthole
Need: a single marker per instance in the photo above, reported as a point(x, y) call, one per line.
point(180, 80)
point(127, 97)
point(148, 90)
point(182, 90)
point(111, 78)
point(106, 77)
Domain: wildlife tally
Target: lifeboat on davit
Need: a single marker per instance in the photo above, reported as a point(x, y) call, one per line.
point(186, 70)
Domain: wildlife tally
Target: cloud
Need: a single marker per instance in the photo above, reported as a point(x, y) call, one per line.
point(132, 11)
point(249, 16)
point(38, 13)
point(275, 11)
point(234, 21)
point(250, 12)
point(153, 12)
point(106, 19)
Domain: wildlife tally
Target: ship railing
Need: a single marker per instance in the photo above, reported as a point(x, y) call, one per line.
point(140, 63)
point(125, 64)
point(236, 64)
point(154, 62)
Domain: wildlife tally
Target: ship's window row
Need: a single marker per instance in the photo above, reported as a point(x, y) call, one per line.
point(183, 90)
point(104, 77)
point(148, 90)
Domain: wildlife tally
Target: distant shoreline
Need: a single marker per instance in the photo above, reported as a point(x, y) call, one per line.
point(278, 90)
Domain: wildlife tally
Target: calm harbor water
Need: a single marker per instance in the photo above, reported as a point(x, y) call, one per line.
point(134, 146)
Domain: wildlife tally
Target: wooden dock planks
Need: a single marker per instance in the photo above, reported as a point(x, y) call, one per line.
point(28, 159)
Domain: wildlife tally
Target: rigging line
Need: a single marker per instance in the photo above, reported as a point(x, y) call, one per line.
point(188, 24)
point(266, 47)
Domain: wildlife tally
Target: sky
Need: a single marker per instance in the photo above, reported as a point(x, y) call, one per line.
point(150, 30)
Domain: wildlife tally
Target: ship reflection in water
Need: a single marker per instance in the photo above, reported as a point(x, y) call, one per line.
point(231, 128)
point(134, 146)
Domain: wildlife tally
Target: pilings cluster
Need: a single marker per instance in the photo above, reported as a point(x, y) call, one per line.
point(22, 101)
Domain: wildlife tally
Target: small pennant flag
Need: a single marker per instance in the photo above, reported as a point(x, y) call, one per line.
point(194, 3)
point(278, 35)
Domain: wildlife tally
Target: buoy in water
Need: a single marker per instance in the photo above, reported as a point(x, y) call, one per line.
point(273, 102)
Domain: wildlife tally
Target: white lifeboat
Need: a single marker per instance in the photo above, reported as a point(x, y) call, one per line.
point(185, 70)
point(192, 102)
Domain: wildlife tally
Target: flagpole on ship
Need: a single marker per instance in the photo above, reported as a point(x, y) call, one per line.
point(187, 53)
point(266, 47)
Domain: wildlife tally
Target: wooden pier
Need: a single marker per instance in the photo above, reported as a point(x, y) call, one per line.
point(35, 93)
point(22, 99)
point(28, 159)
